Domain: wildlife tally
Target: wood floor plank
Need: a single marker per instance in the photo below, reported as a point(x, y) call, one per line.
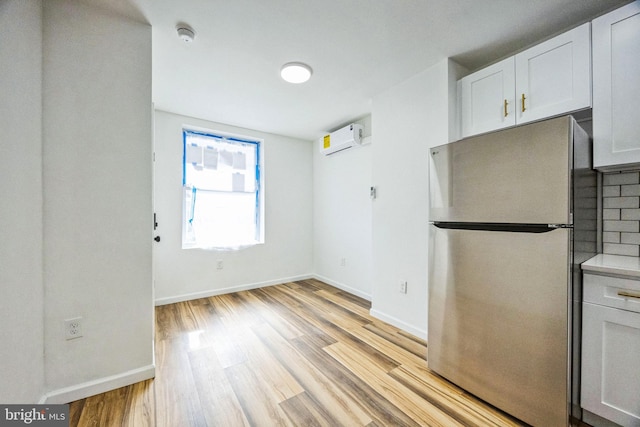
point(392, 335)
point(372, 402)
point(321, 285)
point(313, 380)
point(304, 411)
point(223, 334)
point(340, 330)
point(255, 398)
point(314, 317)
point(301, 353)
point(97, 411)
point(219, 403)
point(451, 401)
point(185, 320)
point(306, 284)
point(203, 314)
point(166, 326)
point(208, 326)
point(406, 334)
point(140, 405)
point(238, 324)
point(125, 406)
point(332, 311)
point(175, 387)
point(395, 352)
point(287, 307)
point(281, 385)
point(349, 304)
point(76, 409)
point(355, 299)
point(400, 396)
point(250, 303)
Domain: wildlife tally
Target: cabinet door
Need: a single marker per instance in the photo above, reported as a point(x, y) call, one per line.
point(554, 77)
point(616, 88)
point(611, 363)
point(488, 99)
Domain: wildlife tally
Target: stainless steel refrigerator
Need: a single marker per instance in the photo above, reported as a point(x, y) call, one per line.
point(513, 214)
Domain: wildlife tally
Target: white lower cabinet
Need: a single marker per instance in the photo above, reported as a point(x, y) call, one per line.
point(611, 349)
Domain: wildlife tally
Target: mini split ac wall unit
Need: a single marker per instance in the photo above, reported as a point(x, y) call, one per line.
point(348, 137)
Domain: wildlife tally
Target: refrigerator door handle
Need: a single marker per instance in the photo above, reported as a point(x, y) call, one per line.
point(504, 227)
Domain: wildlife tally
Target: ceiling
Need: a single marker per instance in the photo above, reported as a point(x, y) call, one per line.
point(357, 49)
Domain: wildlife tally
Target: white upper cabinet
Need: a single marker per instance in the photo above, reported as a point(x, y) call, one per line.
point(546, 80)
point(616, 88)
point(487, 99)
point(554, 77)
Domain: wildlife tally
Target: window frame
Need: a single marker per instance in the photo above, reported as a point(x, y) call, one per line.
point(226, 137)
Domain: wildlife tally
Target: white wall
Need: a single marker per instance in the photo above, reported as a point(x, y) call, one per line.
point(92, 97)
point(287, 252)
point(21, 304)
point(97, 198)
point(342, 217)
point(407, 120)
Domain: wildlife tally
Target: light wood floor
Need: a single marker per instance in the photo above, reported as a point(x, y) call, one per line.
point(297, 354)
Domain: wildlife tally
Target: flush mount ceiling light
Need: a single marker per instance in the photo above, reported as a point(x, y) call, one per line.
point(295, 72)
point(185, 33)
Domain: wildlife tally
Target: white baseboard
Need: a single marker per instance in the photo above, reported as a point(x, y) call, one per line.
point(420, 333)
point(231, 289)
point(101, 385)
point(342, 286)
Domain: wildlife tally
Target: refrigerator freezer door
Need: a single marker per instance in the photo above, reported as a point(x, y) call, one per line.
point(518, 175)
point(498, 318)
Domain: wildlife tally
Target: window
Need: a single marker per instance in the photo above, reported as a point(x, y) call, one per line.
point(222, 192)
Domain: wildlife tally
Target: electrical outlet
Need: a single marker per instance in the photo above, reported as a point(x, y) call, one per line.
point(219, 264)
point(343, 262)
point(73, 328)
point(403, 287)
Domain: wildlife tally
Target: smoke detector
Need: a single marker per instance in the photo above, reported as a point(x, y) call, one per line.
point(185, 33)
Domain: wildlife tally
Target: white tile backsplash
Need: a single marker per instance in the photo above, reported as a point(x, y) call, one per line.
point(628, 226)
point(630, 238)
point(630, 214)
point(611, 237)
point(614, 249)
point(630, 190)
point(621, 213)
point(620, 178)
point(621, 202)
point(611, 214)
point(611, 191)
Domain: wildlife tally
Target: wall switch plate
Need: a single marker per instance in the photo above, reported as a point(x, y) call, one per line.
point(343, 262)
point(73, 328)
point(403, 287)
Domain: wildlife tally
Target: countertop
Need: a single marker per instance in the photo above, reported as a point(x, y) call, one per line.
point(613, 264)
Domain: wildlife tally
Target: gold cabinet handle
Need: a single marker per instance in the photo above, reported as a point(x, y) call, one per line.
point(523, 98)
point(628, 294)
point(506, 104)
